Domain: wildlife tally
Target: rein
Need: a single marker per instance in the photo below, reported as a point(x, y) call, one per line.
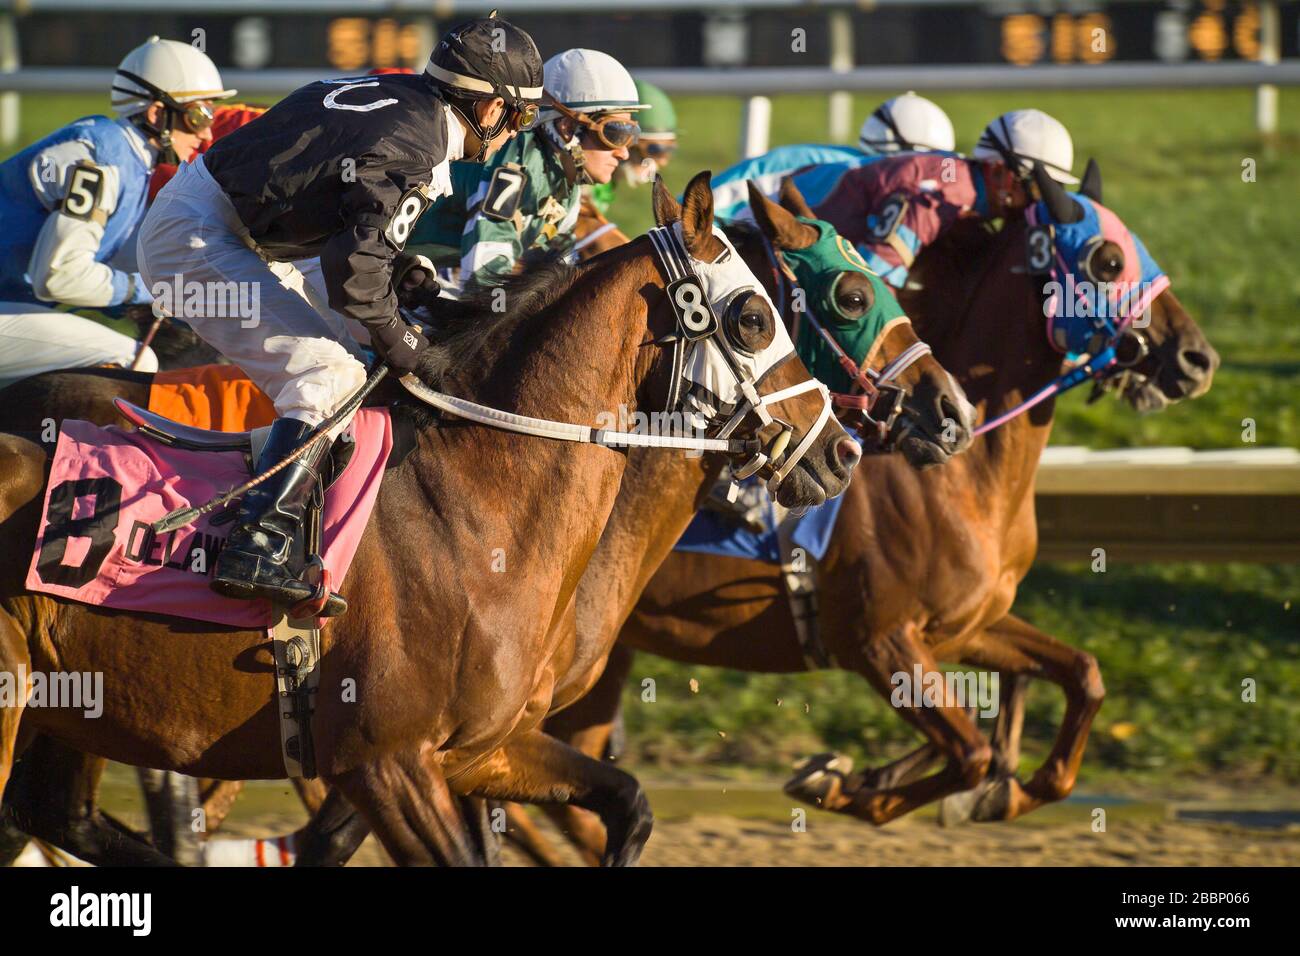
point(675, 262)
point(1097, 367)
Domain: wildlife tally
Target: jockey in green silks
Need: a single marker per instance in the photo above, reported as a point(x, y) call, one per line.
point(525, 201)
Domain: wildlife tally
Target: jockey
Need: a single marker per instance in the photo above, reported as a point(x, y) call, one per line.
point(904, 124)
point(527, 201)
point(1020, 137)
point(72, 200)
point(650, 154)
point(339, 169)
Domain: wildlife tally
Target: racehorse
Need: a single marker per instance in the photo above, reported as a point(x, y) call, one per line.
point(458, 667)
point(923, 566)
point(645, 504)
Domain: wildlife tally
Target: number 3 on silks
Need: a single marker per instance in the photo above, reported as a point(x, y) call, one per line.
point(694, 314)
point(1039, 248)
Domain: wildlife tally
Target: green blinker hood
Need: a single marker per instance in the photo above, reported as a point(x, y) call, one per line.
point(818, 269)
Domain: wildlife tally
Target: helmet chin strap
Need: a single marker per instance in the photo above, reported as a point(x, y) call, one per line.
point(484, 136)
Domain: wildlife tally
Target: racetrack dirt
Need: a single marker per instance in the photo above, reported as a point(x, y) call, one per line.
point(702, 822)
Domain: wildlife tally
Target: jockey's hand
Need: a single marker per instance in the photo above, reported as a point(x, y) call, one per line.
point(399, 345)
point(415, 283)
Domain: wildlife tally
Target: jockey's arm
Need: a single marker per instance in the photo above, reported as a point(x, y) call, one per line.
point(357, 261)
point(81, 195)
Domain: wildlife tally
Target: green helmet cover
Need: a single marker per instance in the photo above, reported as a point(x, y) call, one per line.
point(660, 119)
point(818, 269)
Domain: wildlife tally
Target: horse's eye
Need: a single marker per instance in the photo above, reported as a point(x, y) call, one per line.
point(1106, 263)
point(749, 325)
point(852, 298)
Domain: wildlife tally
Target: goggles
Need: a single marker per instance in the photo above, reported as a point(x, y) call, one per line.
point(656, 149)
point(610, 132)
point(524, 117)
point(197, 117)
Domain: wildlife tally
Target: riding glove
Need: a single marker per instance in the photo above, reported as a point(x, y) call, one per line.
point(399, 345)
point(414, 282)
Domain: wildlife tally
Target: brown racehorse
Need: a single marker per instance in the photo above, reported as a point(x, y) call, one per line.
point(644, 503)
point(923, 567)
point(455, 670)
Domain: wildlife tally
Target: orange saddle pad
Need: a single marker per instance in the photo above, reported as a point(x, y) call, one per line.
point(217, 397)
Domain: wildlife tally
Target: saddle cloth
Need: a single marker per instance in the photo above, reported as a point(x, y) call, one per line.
point(107, 486)
point(711, 533)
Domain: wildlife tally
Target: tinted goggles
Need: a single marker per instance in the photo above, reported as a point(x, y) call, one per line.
point(196, 117)
point(609, 132)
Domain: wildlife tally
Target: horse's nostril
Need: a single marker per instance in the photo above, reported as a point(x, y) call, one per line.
point(1194, 362)
point(848, 452)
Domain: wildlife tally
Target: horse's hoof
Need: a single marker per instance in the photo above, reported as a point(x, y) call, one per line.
point(820, 779)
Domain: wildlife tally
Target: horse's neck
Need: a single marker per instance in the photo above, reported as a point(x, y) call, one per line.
point(577, 360)
point(1001, 360)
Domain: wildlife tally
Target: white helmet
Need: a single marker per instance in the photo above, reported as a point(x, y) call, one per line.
point(590, 82)
point(1020, 137)
point(165, 69)
point(905, 123)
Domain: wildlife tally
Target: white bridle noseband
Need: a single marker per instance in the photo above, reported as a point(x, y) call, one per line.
point(715, 284)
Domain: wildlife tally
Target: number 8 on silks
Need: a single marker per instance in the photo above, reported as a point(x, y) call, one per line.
point(695, 316)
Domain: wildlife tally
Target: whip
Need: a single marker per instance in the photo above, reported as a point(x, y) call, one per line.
point(183, 516)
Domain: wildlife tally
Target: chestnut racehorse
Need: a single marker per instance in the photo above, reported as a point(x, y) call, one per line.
point(660, 494)
point(923, 567)
point(455, 668)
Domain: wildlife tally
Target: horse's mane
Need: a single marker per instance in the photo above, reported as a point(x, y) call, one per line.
point(465, 325)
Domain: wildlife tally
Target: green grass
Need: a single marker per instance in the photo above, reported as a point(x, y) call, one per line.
point(1174, 641)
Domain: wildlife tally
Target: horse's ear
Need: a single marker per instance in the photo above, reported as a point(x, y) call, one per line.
point(666, 208)
point(780, 226)
point(793, 200)
point(697, 218)
point(1062, 208)
point(1090, 186)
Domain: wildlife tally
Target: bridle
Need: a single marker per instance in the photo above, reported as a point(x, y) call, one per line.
point(1110, 358)
point(678, 266)
point(881, 400)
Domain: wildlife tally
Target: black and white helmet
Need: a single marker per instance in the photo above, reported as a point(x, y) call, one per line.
point(484, 58)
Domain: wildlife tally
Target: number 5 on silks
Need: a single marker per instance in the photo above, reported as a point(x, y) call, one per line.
point(694, 314)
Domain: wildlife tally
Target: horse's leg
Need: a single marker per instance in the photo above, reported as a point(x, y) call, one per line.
point(588, 725)
point(479, 822)
point(170, 799)
point(1013, 646)
point(333, 834)
point(948, 727)
point(404, 797)
point(53, 797)
point(15, 659)
point(312, 793)
point(218, 797)
point(537, 768)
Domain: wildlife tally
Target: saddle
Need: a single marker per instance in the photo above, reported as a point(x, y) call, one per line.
point(295, 636)
point(305, 562)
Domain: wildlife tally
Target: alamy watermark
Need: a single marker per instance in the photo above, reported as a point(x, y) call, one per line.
point(922, 688)
point(660, 424)
point(180, 299)
point(74, 690)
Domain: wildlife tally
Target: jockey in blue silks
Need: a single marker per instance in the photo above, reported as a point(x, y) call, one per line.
point(72, 202)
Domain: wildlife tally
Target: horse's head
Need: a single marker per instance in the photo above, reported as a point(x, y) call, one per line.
point(1103, 290)
point(915, 406)
point(734, 367)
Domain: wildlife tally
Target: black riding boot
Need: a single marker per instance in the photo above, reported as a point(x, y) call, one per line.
point(255, 563)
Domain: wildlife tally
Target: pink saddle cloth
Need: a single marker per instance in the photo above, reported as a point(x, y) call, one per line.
point(107, 486)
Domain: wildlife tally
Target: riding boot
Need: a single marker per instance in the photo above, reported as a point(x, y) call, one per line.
point(256, 561)
point(747, 511)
